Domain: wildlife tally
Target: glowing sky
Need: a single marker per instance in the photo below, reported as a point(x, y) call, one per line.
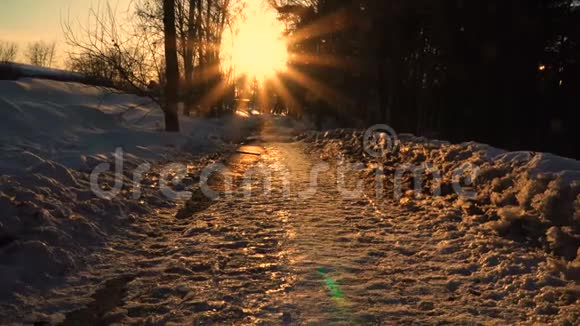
point(25, 21)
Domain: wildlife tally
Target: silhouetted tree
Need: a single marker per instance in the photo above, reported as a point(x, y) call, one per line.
point(103, 50)
point(493, 71)
point(171, 66)
point(199, 28)
point(41, 53)
point(8, 51)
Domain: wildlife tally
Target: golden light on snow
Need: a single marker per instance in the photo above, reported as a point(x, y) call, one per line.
point(243, 114)
point(255, 46)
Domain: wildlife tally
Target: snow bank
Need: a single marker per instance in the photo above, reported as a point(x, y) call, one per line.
point(72, 123)
point(13, 71)
point(525, 196)
point(52, 135)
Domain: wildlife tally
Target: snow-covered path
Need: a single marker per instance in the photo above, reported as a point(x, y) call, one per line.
point(293, 257)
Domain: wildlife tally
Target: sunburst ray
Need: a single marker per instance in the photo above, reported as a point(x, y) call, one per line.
point(202, 75)
point(323, 26)
point(214, 95)
point(323, 61)
point(324, 92)
point(292, 104)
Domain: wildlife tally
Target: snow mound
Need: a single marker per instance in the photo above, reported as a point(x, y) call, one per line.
point(68, 122)
point(52, 135)
point(13, 71)
point(525, 196)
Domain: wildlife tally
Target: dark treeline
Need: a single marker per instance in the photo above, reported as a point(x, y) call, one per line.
point(494, 71)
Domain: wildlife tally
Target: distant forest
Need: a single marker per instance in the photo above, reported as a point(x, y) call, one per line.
point(503, 72)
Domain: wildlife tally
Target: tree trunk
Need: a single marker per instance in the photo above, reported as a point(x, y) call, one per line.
point(200, 51)
point(189, 57)
point(171, 66)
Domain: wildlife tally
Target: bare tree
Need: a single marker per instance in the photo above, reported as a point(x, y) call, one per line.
point(41, 53)
point(124, 55)
point(8, 51)
point(189, 55)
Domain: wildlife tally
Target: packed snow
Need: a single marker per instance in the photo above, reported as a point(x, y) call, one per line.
point(291, 256)
point(532, 197)
point(532, 200)
point(52, 135)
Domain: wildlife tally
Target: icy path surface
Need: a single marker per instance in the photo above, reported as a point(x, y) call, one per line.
point(291, 260)
point(286, 258)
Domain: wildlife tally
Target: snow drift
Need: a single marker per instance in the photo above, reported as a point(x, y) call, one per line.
point(14, 71)
point(52, 134)
point(525, 196)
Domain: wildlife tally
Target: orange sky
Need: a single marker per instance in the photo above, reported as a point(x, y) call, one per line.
point(25, 21)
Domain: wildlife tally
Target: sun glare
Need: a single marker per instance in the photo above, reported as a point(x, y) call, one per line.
point(255, 46)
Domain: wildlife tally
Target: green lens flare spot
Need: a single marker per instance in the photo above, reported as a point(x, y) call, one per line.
point(333, 288)
point(322, 271)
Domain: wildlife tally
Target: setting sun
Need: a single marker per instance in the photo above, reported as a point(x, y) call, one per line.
point(255, 46)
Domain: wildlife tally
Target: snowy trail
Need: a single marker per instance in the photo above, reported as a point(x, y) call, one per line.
point(286, 258)
point(272, 259)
